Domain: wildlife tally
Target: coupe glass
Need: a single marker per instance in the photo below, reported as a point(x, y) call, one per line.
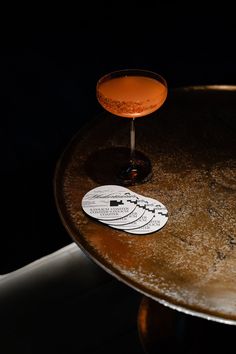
point(132, 93)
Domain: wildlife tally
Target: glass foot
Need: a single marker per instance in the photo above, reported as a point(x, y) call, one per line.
point(112, 166)
point(138, 171)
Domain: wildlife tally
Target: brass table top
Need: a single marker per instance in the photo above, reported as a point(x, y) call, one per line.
point(190, 264)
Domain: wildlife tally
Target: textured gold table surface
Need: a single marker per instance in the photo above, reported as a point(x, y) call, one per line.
point(189, 265)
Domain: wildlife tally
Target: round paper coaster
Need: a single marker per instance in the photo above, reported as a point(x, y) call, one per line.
point(150, 206)
point(136, 214)
point(109, 202)
point(159, 219)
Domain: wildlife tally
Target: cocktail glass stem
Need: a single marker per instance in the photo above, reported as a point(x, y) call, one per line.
point(132, 142)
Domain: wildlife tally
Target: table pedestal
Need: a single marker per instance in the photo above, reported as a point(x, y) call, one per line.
point(163, 330)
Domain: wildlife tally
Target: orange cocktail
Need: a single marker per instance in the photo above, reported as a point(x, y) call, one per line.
point(132, 93)
point(131, 96)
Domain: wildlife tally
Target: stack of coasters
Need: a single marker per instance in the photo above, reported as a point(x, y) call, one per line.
point(121, 208)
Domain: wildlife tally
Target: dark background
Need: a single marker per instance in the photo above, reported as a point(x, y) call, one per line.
point(50, 61)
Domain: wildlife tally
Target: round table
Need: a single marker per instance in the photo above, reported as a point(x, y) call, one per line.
point(190, 264)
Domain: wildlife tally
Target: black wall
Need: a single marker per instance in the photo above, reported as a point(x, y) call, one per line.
point(49, 65)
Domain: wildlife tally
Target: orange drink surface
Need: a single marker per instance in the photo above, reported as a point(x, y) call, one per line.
point(131, 96)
